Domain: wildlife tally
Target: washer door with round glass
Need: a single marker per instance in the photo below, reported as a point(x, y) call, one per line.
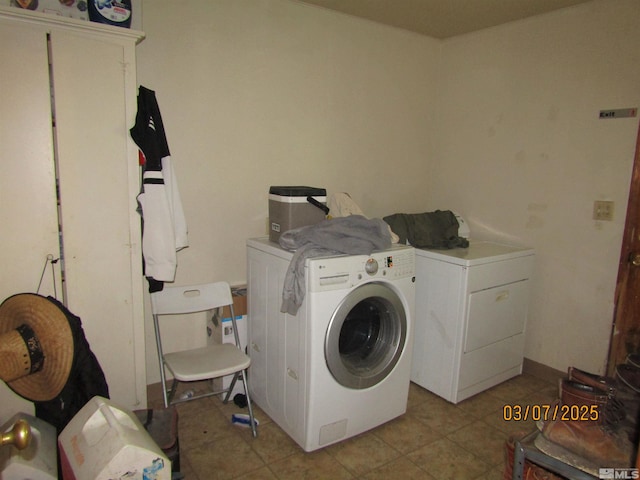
point(366, 336)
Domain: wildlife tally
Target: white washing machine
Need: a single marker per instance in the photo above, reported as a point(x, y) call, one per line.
point(471, 311)
point(341, 365)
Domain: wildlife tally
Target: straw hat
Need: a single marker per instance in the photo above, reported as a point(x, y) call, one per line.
point(36, 346)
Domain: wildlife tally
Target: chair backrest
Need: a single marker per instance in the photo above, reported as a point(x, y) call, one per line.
point(190, 298)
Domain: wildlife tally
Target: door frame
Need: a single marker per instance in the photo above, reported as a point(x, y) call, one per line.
point(625, 332)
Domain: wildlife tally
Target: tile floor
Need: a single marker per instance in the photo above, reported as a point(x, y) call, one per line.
point(434, 440)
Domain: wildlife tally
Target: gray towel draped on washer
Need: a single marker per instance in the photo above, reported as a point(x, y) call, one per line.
point(352, 235)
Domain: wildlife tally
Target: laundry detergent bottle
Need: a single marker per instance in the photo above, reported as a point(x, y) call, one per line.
point(111, 12)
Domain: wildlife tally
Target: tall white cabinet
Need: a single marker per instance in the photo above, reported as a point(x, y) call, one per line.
point(67, 100)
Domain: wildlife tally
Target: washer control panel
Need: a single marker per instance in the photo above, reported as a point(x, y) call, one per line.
point(346, 271)
point(371, 267)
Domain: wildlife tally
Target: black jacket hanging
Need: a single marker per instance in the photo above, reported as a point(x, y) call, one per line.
point(86, 379)
point(148, 131)
point(163, 221)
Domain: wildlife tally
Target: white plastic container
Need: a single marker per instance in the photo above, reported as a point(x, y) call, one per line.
point(104, 441)
point(39, 461)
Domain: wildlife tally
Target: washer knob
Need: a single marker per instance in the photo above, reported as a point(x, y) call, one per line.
point(371, 267)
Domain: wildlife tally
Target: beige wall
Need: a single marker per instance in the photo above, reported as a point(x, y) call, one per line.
point(259, 93)
point(500, 125)
point(255, 93)
point(523, 155)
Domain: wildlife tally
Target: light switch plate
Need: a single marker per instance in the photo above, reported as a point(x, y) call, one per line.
point(603, 210)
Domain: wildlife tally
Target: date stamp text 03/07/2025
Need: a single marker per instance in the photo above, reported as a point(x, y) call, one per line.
point(544, 412)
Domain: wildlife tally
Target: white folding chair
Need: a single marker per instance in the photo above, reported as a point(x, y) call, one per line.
point(205, 363)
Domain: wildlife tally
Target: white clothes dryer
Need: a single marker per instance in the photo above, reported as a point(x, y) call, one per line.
point(471, 311)
point(341, 365)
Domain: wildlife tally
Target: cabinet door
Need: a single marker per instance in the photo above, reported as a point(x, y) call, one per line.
point(94, 89)
point(28, 213)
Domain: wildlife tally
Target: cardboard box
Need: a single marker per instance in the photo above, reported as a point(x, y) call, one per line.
point(219, 326)
point(239, 303)
point(220, 330)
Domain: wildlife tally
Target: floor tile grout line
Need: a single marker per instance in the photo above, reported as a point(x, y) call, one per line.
point(478, 413)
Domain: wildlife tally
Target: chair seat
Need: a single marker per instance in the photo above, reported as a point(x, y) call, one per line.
point(206, 362)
